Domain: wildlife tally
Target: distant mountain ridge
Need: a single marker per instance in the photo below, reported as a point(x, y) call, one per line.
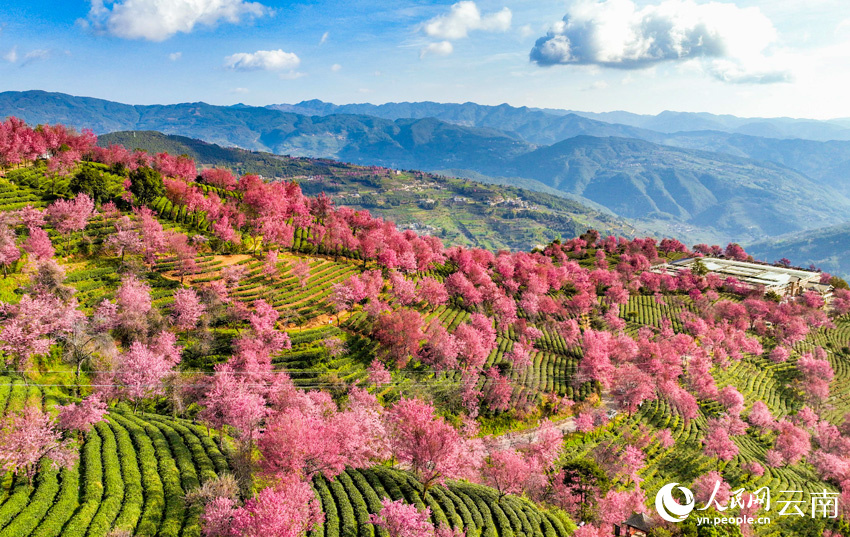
point(685, 191)
point(619, 123)
point(826, 248)
point(818, 149)
point(533, 126)
point(737, 196)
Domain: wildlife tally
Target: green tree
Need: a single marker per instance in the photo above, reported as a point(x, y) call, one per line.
point(91, 182)
point(699, 268)
point(838, 283)
point(146, 184)
point(585, 479)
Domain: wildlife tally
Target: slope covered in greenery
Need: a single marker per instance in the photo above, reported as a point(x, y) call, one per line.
point(321, 357)
point(456, 210)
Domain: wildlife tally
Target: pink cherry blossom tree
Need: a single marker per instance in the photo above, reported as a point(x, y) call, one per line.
point(301, 270)
point(28, 436)
point(665, 439)
point(400, 332)
point(126, 238)
point(717, 442)
point(792, 443)
point(70, 216)
point(816, 374)
point(81, 416)
point(760, 416)
point(187, 309)
point(139, 372)
point(401, 519)
point(433, 449)
point(9, 251)
point(133, 301)
point(286, 509)
point(632, 387)
point(30, 327)
point(433, 292)
point(705, 486)
point(334, 346)
point(499, 391)
point(732, 400)
point(38, 244)
point(378, 374)
point(270, 264)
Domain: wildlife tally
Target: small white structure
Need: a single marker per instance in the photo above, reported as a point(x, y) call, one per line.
point(781, 280)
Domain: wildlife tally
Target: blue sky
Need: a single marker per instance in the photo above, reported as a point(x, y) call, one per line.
point(748, 58)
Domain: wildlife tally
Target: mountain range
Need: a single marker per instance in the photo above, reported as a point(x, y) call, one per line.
point(695, 176)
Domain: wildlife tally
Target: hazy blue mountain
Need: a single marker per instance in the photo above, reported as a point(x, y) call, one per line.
point(546, 125)
point(824, 162)
point(826, 248)
point(782, 127)
point(533, 126)
point(766, 140)
point(737, 196)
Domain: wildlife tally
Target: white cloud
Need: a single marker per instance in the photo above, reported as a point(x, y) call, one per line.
point(336, 67)
point(174, 56)
point(157, 20)
point(442, 48)
point(596, 86)
point(462, 18)
point(34, 56)
point(842, 28)
point(292, 75)
point(239, 91)
point(12, 55)
point(324, 38)
point(617, 33)
point(267, 60)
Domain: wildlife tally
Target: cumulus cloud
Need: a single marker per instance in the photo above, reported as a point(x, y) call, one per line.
point(464, 17)
point(731, 41)
point(442, 48)
point(336, 67)
point(174, 56)
point(266, 60)
point(157, 20)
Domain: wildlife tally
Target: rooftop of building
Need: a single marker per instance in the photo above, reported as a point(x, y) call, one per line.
point(755, 273)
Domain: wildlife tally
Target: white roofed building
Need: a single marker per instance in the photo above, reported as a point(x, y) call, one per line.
point(781, 280)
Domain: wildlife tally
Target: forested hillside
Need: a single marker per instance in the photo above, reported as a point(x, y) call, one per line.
point(458, 211)
point(189, 351)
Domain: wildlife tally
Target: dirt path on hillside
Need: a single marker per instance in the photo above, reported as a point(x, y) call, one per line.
point(325, 319)
point(225, 260)
point(519, 438)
